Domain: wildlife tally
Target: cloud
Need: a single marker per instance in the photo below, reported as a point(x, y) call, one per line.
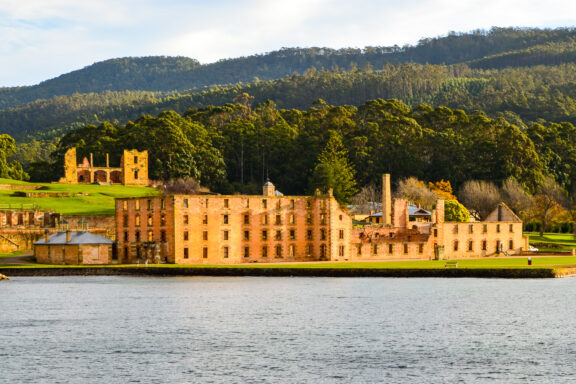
point(45, 38)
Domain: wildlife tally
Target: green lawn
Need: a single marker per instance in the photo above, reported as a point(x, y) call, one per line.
point(95, 199)
point(11, 254)
point(496, 263)
point(553, 241)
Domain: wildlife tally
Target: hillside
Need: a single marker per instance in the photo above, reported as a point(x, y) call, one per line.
point(522, 95)
point(163, 74)
point(523, 75)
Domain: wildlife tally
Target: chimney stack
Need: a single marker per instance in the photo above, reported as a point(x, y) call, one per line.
point(68, 236)
point(386, 200)
point(107, 160)
point(46, 236)
point(91, 160)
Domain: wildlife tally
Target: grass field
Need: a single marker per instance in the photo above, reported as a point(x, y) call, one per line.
point(553, 242)
point(88, 199)
point(495, 263)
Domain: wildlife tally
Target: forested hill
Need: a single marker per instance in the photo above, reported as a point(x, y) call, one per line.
point(497, 48)
point(521, 95)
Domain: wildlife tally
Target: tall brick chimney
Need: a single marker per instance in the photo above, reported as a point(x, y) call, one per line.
point(386, 200)
point(68, 236)
point(46, 236)
point(439, 211)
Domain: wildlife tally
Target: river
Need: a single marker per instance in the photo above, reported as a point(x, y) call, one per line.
point(286, 330)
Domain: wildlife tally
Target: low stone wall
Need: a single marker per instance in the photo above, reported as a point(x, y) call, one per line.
point(19, 187)
point(45, 194)
point(288, 272)
point(91, 221)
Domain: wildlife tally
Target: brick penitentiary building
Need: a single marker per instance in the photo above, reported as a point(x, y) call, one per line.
point(232, 229)
point(216, 229)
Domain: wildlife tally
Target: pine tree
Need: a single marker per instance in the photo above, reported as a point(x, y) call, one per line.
point(333, 171)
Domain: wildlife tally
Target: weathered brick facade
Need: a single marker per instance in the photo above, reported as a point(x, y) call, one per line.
point(500, 233)
point(232, 229)
point(133, 169)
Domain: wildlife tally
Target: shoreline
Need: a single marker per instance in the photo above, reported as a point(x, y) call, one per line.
point(507, 273)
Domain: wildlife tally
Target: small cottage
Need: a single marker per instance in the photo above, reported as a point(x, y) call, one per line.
point(69, 247)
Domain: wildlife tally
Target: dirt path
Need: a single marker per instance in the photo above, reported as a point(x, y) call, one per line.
point(23, 259)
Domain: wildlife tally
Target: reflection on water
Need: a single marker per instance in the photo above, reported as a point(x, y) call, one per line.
point(289, 330)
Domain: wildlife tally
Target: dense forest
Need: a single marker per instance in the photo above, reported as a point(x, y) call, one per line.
point(236, 147)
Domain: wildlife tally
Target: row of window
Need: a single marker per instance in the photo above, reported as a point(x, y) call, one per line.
point(484, 228)
point(149, 220)
point(265, 235)
point(264, 203)
point(265, 219)
point(265, 251)
point(376, 248)
point(225, 203)
point(149, 236)
point(484, 245)
point(456, 245)
point(149, 204)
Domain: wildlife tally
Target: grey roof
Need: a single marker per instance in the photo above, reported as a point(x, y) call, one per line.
point(80, 237)
point(415, 211)
point(268, 184)
point(412, 211)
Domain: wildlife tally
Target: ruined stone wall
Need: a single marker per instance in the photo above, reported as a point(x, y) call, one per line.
point(70, 167)
point(134, 165)
point(133, 169)
point(379, 243)
point(103, 224)
point(12, 240)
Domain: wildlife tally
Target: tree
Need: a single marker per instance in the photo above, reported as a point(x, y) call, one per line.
point(454, 211)
point(442, 189)
point(366, 201)
point(481, 197)
point(549, 202)
point(516, 197)
point(417, 192)
point(187, 186)
point(333, 171)
point(10, 170)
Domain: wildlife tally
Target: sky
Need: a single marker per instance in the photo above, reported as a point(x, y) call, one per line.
point(42, 39)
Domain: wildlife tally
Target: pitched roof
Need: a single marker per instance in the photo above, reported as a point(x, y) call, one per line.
point(502, 213)
point(80, 237)
point(412, 211)
point(415, 211)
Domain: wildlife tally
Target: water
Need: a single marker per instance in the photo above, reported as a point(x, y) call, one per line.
point(286, 330)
